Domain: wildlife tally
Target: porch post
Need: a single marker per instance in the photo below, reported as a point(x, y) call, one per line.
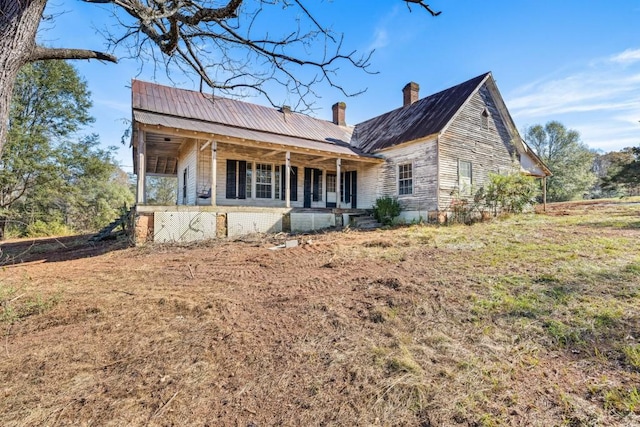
point(338, 182)
point(141, 188)
point(287, 180)
point(214, 171)
point(544, 194)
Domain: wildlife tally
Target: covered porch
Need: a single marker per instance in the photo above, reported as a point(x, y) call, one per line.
point(241, 181)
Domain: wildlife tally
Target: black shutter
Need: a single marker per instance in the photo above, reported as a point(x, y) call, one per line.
point(347, 187)
point(231, 179)
point(294, 183)
point(307, 187)
point(242, 179)
point(317, 182)
point(354, 193)
point(283, 182)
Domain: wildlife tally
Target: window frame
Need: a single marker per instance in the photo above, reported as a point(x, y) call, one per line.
point(277, 191)
point(249, 181)
point(464, 188)
point(400, 179)
point(331, 178)
point(264, 190)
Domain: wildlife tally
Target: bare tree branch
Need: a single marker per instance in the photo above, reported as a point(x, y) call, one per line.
point(425, 6)
point(45, 53)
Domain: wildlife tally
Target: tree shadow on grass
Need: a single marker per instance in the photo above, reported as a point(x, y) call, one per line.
point(622, 225)
point(55, 249)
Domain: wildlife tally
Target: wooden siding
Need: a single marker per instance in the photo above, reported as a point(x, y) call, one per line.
point(187, 159)
point(424, 157)
point(234, 152)
point(200, 178)
point(203, 180)
point(368, 188)
point(488, 150)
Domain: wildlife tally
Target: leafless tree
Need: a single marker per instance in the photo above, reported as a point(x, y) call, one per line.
point(223, 41)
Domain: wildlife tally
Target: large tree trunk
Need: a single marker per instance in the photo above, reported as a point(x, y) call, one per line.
point(3, 227)
point(19, 20)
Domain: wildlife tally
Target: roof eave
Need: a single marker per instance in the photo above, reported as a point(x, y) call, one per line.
point(405, 143)
point(221, 137)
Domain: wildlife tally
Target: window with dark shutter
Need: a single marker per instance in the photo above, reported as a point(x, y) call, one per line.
point(242, 179)
point(294, 184)
point(307, 187)
point(236, 179)
point(317, 185)
point(231, 179)
point(354, 189)
point(347, 187)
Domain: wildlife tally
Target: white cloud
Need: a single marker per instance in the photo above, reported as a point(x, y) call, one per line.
point(629, 55)
point(121, 107)
point(380, 39)
point(602, 101)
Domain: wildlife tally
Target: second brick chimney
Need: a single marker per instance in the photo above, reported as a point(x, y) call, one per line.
point(339, 113)
point(411, 93)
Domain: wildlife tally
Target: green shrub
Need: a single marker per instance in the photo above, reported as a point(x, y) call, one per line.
point(510, 193)
point(45, 229)
point(386, 209)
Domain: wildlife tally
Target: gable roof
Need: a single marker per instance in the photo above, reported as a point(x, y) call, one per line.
point(203, 108)
point(425, 117)
point(169, 107)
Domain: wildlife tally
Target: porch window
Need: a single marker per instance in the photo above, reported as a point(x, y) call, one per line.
point(331, 183)
point(264, 181)
point(464, 177)
point(405, 179)
point(276, 182)
point(249, 179)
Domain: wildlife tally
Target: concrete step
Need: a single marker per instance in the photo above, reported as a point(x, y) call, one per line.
point(365, 222)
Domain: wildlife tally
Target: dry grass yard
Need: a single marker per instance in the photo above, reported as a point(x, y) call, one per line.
point(530, 320)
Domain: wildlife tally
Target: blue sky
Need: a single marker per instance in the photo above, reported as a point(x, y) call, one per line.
point(576, 61)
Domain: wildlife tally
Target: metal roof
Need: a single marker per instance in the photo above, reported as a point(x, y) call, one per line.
point(171, 122)
point(172, 108)
point(189, 104)
point(425, 117)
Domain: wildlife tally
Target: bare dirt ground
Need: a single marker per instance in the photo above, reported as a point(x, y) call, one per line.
point(419, 325)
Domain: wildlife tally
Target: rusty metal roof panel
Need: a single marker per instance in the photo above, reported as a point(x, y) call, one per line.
point(425, 117)
point(199, 106)
point(172, 122)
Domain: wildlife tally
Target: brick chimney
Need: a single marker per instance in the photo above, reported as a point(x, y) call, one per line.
point(410, 93)
point(339, 113)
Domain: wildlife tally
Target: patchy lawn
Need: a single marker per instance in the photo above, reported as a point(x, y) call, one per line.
point(530, 320)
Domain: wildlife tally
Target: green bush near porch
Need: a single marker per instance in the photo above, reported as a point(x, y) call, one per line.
point(386, 209)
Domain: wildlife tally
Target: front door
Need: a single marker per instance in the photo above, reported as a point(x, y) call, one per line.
point(312, 186)
point(331, 190)
point(349, 187)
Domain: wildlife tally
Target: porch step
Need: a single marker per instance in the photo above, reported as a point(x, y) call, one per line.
point(364, 222)
point(106, 231)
